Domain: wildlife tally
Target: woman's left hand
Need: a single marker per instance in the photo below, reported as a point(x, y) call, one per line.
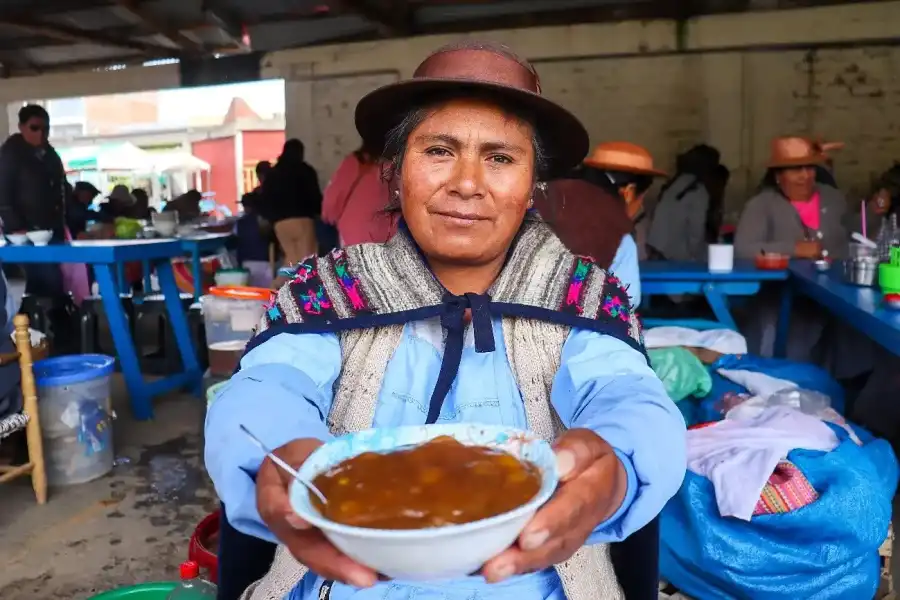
point(592, 487)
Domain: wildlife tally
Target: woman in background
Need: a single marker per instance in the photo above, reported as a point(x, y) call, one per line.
point(796, 215)
point(593, 209)
point(679, 227)
point(355, 200)
point(292, 202)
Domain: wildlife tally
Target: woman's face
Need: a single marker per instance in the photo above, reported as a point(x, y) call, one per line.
point(466, 181)
point(797, 183)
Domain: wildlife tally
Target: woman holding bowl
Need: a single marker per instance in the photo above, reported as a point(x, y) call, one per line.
point(473, 312)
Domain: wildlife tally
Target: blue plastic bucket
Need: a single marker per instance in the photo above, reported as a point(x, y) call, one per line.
point(76, 416)
point(77, 368)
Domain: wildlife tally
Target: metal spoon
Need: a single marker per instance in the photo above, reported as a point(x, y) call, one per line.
point(288, 468)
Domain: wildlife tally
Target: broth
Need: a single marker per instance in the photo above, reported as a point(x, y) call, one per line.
point(441, 482)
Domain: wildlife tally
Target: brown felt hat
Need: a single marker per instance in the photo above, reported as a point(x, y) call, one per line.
point(623, 157)
point(790, 152)
point(477, 66)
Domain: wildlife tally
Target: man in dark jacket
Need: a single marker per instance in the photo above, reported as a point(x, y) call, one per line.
point(33, 192)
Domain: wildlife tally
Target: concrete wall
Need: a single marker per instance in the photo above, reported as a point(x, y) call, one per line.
point(731, 80)
point(734, 81)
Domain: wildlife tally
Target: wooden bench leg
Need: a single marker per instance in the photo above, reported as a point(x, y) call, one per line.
point(29, 396)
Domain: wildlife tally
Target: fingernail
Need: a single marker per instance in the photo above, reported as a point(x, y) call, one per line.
point(531, 541)
point(504, 571)
point(565, 462)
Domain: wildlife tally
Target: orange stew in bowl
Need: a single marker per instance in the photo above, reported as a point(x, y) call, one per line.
point(438, 483)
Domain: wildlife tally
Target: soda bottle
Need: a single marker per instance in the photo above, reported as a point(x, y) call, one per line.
point(191, 586)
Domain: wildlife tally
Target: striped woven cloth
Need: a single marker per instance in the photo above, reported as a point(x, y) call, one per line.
point(787, 489)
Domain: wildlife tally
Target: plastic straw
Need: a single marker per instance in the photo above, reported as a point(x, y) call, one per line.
point(862, 213)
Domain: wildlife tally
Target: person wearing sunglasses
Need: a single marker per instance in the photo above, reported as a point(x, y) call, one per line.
point(32, 196)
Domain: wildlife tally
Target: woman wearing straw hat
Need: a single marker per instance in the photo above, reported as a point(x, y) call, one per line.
point(594, 208)
point(795, 215)
point(381, 340)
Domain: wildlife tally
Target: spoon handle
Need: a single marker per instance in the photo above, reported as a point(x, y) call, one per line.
point(287, 468)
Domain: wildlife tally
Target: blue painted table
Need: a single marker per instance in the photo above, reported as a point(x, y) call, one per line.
point(860, 307)
point(196, 246)
point(105, 256)
point(661, 277)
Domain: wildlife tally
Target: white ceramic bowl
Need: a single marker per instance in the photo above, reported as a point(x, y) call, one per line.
point(17, 239)
point(40, 238)
point(439, 552)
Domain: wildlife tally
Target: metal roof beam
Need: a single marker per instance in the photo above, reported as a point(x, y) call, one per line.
point(80, 36)
point(169, 32)
point(394, 22)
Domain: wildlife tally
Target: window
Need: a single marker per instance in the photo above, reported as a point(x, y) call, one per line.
point(65, 108)
point(250, 180)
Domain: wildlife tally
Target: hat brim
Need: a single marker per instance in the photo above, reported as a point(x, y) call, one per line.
point(623, 168)
point(806, 161)
point(564, 138)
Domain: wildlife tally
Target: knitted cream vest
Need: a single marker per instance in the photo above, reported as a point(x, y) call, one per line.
point(542, 273)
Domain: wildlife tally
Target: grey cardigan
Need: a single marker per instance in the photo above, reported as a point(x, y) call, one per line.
point(770, 223)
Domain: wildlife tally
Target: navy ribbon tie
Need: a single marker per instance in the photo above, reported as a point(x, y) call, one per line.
point(454, 322)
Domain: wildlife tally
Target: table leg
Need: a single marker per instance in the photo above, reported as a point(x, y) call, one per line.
point(141, 404)
point(179, 324)
point(120, 278)
point(784, 320)
point(718, 302)
point(198, 272)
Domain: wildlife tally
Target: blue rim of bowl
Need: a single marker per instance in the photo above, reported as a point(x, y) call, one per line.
point(313, 517)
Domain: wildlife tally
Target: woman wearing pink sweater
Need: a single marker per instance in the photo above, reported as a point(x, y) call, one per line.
point(356, 198)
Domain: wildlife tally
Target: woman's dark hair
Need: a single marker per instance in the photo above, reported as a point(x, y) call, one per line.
point(397, 137)
point(614, 181)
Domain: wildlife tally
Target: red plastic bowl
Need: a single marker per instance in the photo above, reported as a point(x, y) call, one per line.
point(772, 262)
point(202, 549)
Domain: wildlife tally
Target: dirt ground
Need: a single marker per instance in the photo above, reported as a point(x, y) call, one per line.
point(131, 526)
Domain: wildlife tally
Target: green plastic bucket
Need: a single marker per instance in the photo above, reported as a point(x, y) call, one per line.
point(144, 591)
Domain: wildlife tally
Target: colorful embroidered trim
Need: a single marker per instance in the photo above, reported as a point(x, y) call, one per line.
point(349, 283)
point(615, 301)
point(574, 300)
point(787, 490)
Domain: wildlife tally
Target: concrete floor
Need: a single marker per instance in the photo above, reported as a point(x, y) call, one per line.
point(131, 526)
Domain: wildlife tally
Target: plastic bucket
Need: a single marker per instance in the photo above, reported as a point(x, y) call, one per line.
point(76, 416)
point(144, 591)
point(204, 546)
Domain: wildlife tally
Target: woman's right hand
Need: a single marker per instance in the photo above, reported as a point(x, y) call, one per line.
point(308, 545)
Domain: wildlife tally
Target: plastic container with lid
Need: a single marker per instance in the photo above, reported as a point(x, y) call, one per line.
point(76, 416)
point(231, 314)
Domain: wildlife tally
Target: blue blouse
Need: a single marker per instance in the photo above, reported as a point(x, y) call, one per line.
point(285, 388)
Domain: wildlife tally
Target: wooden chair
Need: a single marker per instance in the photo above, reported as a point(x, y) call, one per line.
point(28, 419)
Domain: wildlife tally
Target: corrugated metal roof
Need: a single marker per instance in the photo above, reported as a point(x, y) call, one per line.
point(63, 34)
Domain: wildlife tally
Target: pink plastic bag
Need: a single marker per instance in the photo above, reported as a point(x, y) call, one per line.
point(75, 278)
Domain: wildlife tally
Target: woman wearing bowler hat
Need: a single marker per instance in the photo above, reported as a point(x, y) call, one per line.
point(474, 297)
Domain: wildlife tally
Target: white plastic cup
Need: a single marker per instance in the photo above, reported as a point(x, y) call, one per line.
point(721, 258)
